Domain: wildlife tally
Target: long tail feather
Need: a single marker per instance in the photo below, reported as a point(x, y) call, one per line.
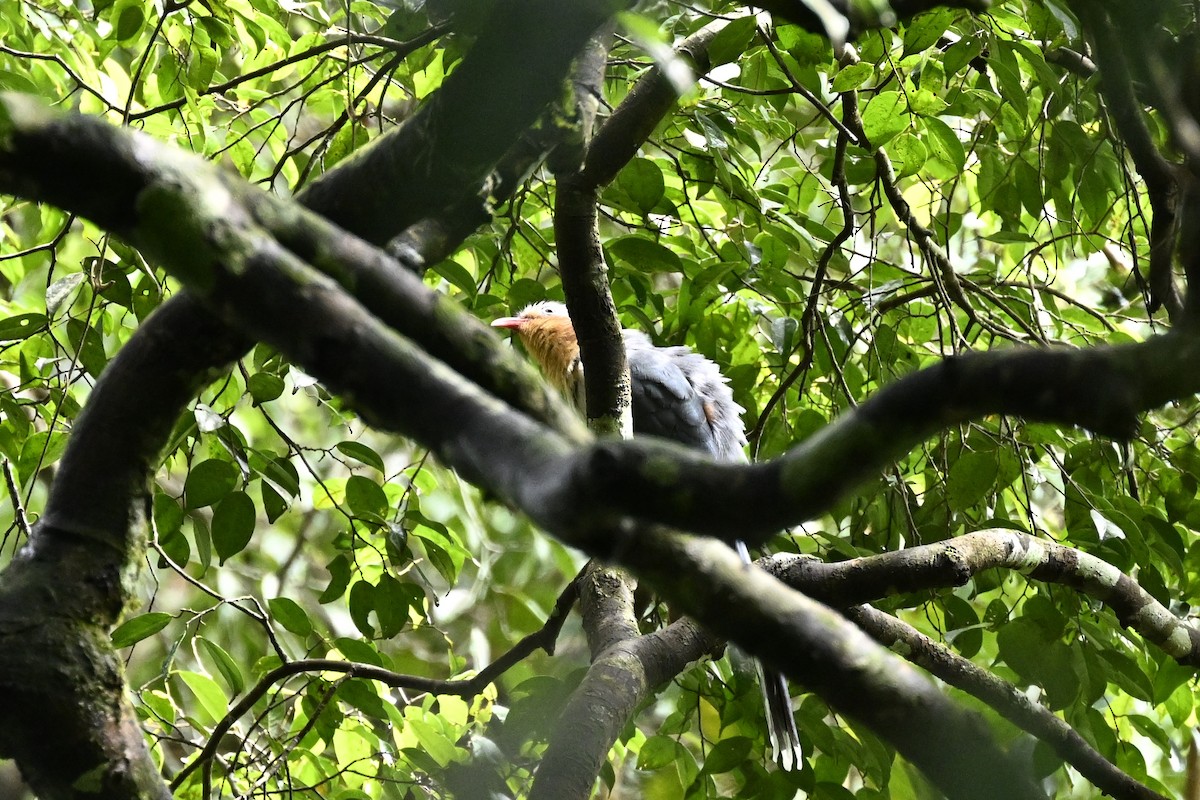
point(777, 700)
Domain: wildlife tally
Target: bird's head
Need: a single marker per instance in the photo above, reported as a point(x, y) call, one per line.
point(546, 331)
point(547, 313)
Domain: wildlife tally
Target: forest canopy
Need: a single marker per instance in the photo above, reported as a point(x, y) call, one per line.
point(282, 516)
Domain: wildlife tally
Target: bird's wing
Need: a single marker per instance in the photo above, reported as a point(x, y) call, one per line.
point(681, 395)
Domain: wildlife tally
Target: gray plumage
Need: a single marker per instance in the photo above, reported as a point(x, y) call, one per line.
point(677, 394)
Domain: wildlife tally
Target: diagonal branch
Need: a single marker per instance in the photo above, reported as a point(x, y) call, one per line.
point(1161, 176)
point(1013, 704)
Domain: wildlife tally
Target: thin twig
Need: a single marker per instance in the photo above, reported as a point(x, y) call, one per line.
point(14, 494)
point(544, 639)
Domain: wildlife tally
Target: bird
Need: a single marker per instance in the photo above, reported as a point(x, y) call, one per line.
point(677, 394)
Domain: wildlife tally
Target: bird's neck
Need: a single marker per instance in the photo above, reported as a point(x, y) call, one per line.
point(552, 343)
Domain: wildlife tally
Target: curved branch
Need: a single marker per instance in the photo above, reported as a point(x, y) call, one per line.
point(543, 639)
point(954, 562)
point(581, 262)
point(63, 707)
point(649, 100)
point(753, 502)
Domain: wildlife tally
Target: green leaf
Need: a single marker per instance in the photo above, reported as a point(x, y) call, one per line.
point(88, 347)
point(362, 603)
point(852, 76)
point(434, 741)
point(290, 615)
point(168, 514)
point(233, 524)
point(212, 699)
point(273, 503)
point(361, 652)
point(659, 752)
point(943, 143)
point(971, 477)
point(908, 154)
point(731, 41)
point(925, 29)
point(1041, 659)
point(925, 103)
point(885, 116)
point(457, 275)
point(391, 606)
point(360, 452)
point(208, 482)
point(229, 670)
point(1126, 674)
point(366, 498)
point(129, 20)
point(39, 451)
point(728, 754)
point(363, 696)
point(21, 326)
point(644, 255)
point(339, 579)
point(642, 180)
point(140, 627)
point(264, 387)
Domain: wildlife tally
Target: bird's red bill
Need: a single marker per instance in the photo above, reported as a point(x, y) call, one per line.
point(508, 322)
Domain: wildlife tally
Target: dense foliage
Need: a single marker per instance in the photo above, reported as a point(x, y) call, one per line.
point(821, 224)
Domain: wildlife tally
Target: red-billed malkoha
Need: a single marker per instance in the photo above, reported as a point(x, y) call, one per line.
point(677, 394)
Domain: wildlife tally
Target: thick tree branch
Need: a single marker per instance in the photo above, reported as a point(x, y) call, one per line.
point(619, 682)
point(596, 713)
point(754, 501)
point(581, 260)
point(809, 642)
point(63, 708)
point(583, 166)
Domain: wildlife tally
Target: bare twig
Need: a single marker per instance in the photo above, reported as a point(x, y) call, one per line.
point(14, 495)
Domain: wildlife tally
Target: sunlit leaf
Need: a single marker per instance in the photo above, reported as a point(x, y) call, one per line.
point(140, 627)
